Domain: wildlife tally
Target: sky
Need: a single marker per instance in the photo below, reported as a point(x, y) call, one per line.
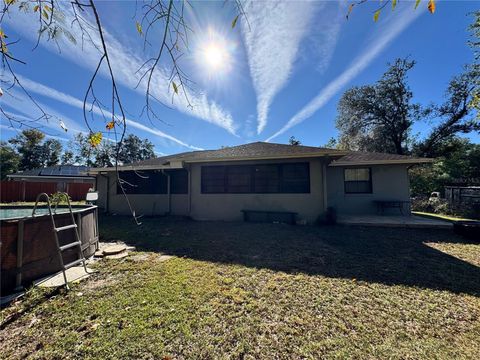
point(279, 72)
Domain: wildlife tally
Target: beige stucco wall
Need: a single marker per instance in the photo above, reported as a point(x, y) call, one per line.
point(145, 204)
point(389, 182)
point(228, 207)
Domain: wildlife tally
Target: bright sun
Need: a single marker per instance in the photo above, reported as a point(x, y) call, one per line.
point(214, 54)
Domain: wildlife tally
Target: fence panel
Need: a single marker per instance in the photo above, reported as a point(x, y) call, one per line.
point(11, 191)
point(78, 191)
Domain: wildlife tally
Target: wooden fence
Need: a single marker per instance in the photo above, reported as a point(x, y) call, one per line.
point(11, 191)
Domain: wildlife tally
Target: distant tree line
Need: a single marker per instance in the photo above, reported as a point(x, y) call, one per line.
point(30, 149)
point(380, 117)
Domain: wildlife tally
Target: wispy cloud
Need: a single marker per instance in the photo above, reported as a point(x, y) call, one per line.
point(51, 93)
point(272, 38)
point(324, 33)
point(400, 20)
point(126, 62)
point(28, 113)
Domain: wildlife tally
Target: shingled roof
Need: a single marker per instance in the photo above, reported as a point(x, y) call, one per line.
point(256, 150)
point(263, 150)
point(371, 158)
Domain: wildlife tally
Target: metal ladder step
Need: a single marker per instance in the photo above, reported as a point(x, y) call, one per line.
point(80, 257)
point(73, 263)
point(62, 228)
point(68, 246)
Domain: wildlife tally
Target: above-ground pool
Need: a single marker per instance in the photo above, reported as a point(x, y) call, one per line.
point(8, 213)
point(27, 244)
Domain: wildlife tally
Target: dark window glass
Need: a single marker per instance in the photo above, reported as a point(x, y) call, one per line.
point(266, 178)
point(271, 178)
point(143, 182)
point(178, 181)
point(213, 179)
point(358, 181)
point(239, 179)
point(296, 178)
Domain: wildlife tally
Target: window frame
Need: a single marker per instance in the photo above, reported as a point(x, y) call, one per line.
point(250, 168)
point(370, 181)
point(151, 176)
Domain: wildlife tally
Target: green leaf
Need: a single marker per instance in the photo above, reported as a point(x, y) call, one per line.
point(394, 4)
point(45, 14)
point(417, 3)
point(234, 22)
point(48, 8)
point(139, 28)
point(376, 15)
point(95, 139)
point(175, 87)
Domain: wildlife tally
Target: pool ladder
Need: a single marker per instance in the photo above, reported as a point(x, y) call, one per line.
point(56, 230)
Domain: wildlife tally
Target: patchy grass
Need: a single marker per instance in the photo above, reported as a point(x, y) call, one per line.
point(236, 290)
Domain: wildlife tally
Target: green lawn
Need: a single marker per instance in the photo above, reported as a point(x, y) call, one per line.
point(262, 291)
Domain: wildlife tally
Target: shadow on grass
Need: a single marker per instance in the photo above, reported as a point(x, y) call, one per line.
point(383, 255)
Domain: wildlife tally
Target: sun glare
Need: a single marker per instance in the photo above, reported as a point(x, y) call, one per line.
point(214, 54)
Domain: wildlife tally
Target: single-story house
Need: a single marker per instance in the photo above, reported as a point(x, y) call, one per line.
point(220, 184)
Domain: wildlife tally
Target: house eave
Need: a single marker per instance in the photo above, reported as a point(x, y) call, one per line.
point(134, 168)
point(381, 162)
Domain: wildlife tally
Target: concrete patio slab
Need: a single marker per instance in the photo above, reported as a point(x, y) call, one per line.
point(393, 221)
point(74, 274)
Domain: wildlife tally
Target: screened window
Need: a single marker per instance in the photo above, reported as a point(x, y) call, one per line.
point(295, 178)
point(271, 178)
point(142, 182)
point(238, 179)
point(178, 181)
point(213, 179)
point(266, 178)
point(358, 181)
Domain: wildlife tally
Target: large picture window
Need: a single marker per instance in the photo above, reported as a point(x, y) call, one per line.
point(358, 181)
point(244, 179)
point(143, 182)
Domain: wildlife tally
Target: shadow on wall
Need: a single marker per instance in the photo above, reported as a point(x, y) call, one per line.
point(392, 256)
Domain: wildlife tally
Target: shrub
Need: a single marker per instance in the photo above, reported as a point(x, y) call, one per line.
point(59, 197)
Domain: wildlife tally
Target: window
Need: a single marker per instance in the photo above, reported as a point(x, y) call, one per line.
point(143, 182)
point(213, 179)
point(266, 178)
point(178, 181)
point(358, 181)
point(239, 179)
point(242, 179)
point(295, 178)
